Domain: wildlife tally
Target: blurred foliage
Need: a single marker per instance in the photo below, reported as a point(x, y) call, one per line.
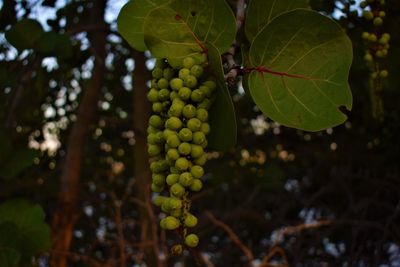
point(274, 177)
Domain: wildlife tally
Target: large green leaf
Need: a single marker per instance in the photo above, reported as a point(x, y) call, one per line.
point(303, 61)
point(131, 20)
point(168, 36)
point(33, 233)
point(9, 255)
point(211, 21)
point(262, 12)
point(223, 133)
point(24, 34)
point(183, 28)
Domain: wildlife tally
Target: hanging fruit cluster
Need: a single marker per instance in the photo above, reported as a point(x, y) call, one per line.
point(377, 43)
point(181, 94)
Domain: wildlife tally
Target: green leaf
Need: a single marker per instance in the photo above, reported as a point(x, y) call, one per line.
point(33, 233)
point(24, 34)
point(182, 29)
point(260, 13)
point(223, 126)
point(211, 21)
point(14, 160)
point(131, 21)
point(303, 61)
point(9, 255)
point(55, 44)
point(168, 36)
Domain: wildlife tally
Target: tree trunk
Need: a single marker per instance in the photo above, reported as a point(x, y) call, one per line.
point(141, 110)
point(68, 209)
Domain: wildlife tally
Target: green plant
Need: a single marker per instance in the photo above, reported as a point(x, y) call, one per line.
point(295, 66)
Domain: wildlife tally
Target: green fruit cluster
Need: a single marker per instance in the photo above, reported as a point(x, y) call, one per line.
point(181, 94)
point(377, 42)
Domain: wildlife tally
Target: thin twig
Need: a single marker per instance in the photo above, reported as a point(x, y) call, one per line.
point(232, 236)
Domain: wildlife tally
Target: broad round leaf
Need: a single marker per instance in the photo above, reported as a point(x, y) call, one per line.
point(131, 21)
point(211, 21)
point(303, 61)
point(223, 126)
point(24, 34)
point(9, 255)
point(260, 13)
point(33, 232)
point(168, 36)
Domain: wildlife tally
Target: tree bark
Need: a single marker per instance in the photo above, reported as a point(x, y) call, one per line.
point(67, 211)
point(141, 110)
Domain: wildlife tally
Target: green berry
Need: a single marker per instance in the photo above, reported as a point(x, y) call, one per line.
point(163, 94)
point(188, 62)
point(368, 57)
point(157, 73)
point(176, 84)
point(379, 54)
point(196, 185)
point(189, 111)
point(184, 93)
point(173, 141)
point(157, 189)
point(368, 15)
point(182, 164)
point(204, 144)
point(157, 107)
point(206, 90)
point(199, 138)
point(194, 124)
point(197, 152)
point(171, 223)
point(202, 114)
point(183, 73)
point(378, 21)
point(152, 95)
point(172, 179)
point(177, 190)
point(154, 84)
point(382, 14)
point(205, 128)
point(363, 4)
point(158, 200)
point(192, 240)
point(175, 110)
point(201, 160)
point(185, 135)
point(373, 38)
point(158, 179)
point(156, 121)
point(168, 73)
point(173, 154)
point(186, 179)
point(197, 95)
point(174, 203)
point(384, 73)
point(197, 71)
point(197, 171)
point(185, 149)
point(151, 139)
point(173, 95)
point(153, 150)
point(190, 81)
point(152, 129)
point(210, 84)
point(167, 133)
point(176, 213)
point(365, 35)
point(163, 83)
point(173, 123)
point(205, 104)
point(190, 220)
